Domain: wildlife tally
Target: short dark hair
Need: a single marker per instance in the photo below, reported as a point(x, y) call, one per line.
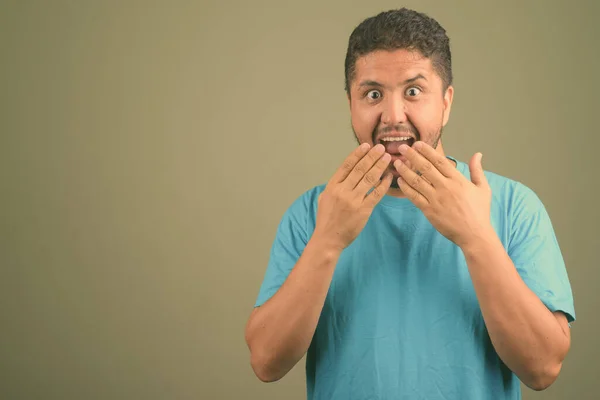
point(401, 29)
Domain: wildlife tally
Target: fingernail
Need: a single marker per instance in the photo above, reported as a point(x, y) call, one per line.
point(386, 157)
point(379, 148)
point(402, 148)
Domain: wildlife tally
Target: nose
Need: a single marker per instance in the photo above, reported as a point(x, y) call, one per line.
point(394, 111)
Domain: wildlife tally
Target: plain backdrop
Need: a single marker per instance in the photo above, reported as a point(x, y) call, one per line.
point(149, 149)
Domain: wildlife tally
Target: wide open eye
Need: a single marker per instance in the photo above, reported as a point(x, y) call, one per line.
point(413, 91)
point(374, 94)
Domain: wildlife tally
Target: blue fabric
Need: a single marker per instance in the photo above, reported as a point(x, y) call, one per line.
point(401, 319)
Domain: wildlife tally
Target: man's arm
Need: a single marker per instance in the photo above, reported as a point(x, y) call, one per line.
point(280, 331)
point(530, 339)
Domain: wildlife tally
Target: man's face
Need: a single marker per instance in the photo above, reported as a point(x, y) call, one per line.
point(397, 97)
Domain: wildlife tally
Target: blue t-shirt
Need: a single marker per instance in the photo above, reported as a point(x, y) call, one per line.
point(401, 319)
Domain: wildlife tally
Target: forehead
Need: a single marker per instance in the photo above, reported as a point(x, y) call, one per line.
point(392, 65)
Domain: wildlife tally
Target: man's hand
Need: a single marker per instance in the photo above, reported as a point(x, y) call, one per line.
point(344, 206)
point(458, 208)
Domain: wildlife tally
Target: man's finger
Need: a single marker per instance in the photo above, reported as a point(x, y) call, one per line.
point(372, 178)
point(379, 190)
point(349, 163)
point(439, 162)
point(422, 166)
point(413, 179)
point(364, 166)
point(476, 169)
point(413, 195)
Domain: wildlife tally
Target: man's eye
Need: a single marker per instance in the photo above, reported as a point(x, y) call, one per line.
point(373, 94)
point(413, 91)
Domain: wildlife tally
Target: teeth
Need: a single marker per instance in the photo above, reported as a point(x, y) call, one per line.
point(395, 139)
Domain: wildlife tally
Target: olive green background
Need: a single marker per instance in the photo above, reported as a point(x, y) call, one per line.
point(149, 149)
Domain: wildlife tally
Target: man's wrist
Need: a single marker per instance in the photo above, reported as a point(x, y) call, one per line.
point(481, 241)
point(325, 246)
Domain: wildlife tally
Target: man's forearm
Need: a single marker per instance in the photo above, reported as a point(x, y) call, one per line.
point(525, 334)
point(280, 331)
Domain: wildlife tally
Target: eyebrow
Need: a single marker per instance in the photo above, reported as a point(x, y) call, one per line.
point(377, 84)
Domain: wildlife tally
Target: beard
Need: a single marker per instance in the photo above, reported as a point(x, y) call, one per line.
point(432, 138)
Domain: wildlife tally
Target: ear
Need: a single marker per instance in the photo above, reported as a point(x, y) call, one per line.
point(447, 104)
point(349, 100)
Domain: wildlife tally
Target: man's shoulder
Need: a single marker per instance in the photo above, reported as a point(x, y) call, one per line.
point(309, 196)
point(305, 204)
point(514, 197)
point(513, 192)
point(501, 184)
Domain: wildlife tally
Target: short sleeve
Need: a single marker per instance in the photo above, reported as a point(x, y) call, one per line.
point(290, 240)
point(535, 251)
